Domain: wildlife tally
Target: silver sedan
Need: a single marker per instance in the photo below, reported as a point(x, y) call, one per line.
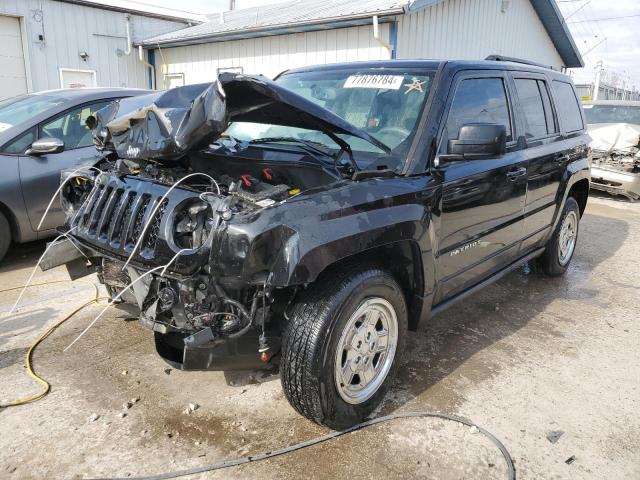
point(40, 135)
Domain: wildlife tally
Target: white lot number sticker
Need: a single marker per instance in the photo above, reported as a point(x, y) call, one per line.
point(389, 82)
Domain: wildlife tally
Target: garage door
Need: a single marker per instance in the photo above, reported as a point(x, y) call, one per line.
point(13, 80)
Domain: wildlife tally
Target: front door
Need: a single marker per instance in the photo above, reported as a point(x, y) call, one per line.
point(40, 175)
point(481, 220)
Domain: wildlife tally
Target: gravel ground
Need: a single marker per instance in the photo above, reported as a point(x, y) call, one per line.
point(525, 357)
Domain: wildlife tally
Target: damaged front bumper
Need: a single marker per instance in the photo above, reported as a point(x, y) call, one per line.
point(616, 182)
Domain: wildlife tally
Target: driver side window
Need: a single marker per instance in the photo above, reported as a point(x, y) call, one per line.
point(70, 127)
point(477, 100)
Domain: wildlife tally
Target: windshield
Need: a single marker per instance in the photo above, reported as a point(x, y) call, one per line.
point(386, 104)
point(612, 114)
point(21, 109)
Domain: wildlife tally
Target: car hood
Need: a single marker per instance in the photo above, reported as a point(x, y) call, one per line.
point(609, 137)
point(168, 124)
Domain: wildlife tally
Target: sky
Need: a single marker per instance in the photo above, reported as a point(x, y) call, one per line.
point(614, 42)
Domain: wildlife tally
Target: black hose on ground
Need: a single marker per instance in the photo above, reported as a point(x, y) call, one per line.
point(511, 470)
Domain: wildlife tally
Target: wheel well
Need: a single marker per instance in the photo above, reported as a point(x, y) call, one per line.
point(580, 191)
point(11, 219)
point(404, 261)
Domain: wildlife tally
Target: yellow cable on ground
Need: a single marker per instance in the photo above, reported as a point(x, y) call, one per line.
point(46, 386)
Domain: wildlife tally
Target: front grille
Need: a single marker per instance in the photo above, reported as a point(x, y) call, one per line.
point(151, 238)
point(116, 212)
point(123, 217)
point(113, 218)
point(138, 223)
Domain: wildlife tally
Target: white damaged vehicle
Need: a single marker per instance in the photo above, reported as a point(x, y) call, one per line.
point(614, 126)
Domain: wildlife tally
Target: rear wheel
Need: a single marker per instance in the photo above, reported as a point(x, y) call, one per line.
point(342, 345)
point(5, 235)
point(560, 247)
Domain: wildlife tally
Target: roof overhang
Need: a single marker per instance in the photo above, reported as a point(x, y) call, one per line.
point(556, 27)
point(385, 16)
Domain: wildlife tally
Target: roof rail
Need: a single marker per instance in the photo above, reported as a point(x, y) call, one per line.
point(502, 58)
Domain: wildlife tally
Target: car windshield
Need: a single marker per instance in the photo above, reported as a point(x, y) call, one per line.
point(21, 109)
point(612, 114)
point(385, 104)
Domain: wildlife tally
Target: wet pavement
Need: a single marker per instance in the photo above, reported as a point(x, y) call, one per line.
point(523, 358)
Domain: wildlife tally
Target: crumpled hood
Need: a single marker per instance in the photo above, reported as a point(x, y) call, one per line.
point(609, 137)
point(168, 124)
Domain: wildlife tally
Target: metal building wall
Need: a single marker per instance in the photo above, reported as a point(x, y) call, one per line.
point(473, 29)
point(70, 29)
point(270, 55)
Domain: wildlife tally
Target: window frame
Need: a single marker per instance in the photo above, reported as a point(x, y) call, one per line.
point(453, 89)
point(523, 75)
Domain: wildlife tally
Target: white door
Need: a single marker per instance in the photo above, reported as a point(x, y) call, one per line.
point(74, 78)
point(13, 77)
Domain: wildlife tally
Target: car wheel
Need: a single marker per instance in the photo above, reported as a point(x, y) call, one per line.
point(559, 250)
point(5, 235)
point(342, 345)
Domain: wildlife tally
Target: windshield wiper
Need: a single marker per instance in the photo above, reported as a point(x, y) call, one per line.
point(316, 147)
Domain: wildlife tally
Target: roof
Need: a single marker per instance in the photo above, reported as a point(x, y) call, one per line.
point(142, 9)
point(293, 16)
point(281, 18)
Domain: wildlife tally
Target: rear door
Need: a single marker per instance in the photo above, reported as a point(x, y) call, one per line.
point(540, 135)
point(481, 221)
point(40, 175)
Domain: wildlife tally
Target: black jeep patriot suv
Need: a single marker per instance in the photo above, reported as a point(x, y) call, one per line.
point(311, 220)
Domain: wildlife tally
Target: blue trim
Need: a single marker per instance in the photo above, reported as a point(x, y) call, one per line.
point(393, 39)
point(151, 58)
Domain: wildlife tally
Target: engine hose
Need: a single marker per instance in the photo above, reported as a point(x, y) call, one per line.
point(243, 313)
point(511, 470)
point(46, 386)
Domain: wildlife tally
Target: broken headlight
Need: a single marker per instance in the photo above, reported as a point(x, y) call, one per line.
point(192, 224)
point(74, 191)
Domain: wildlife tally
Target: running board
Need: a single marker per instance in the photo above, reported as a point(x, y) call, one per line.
point(496, 276)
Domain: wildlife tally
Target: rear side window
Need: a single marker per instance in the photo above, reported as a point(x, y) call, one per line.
point(532, 106)
point(478, 100)
point(568, 107)
point(536, 106)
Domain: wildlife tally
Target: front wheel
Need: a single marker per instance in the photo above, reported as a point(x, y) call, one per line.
point(342, 345)
point(560, 247)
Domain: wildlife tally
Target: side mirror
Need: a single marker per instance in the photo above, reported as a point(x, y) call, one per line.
point(477, 141)
point(46, 145)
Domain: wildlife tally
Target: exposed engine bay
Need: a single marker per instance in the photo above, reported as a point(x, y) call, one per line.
point(616, 158)
point(183, 226)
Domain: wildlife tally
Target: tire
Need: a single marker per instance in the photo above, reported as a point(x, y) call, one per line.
point(322, 322)
point(555, 260)
point(5, 235)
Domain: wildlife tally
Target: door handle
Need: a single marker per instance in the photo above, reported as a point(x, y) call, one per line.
point(562, 158)
point(516, 173)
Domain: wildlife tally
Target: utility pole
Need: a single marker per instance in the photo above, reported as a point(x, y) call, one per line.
point(596, 83)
